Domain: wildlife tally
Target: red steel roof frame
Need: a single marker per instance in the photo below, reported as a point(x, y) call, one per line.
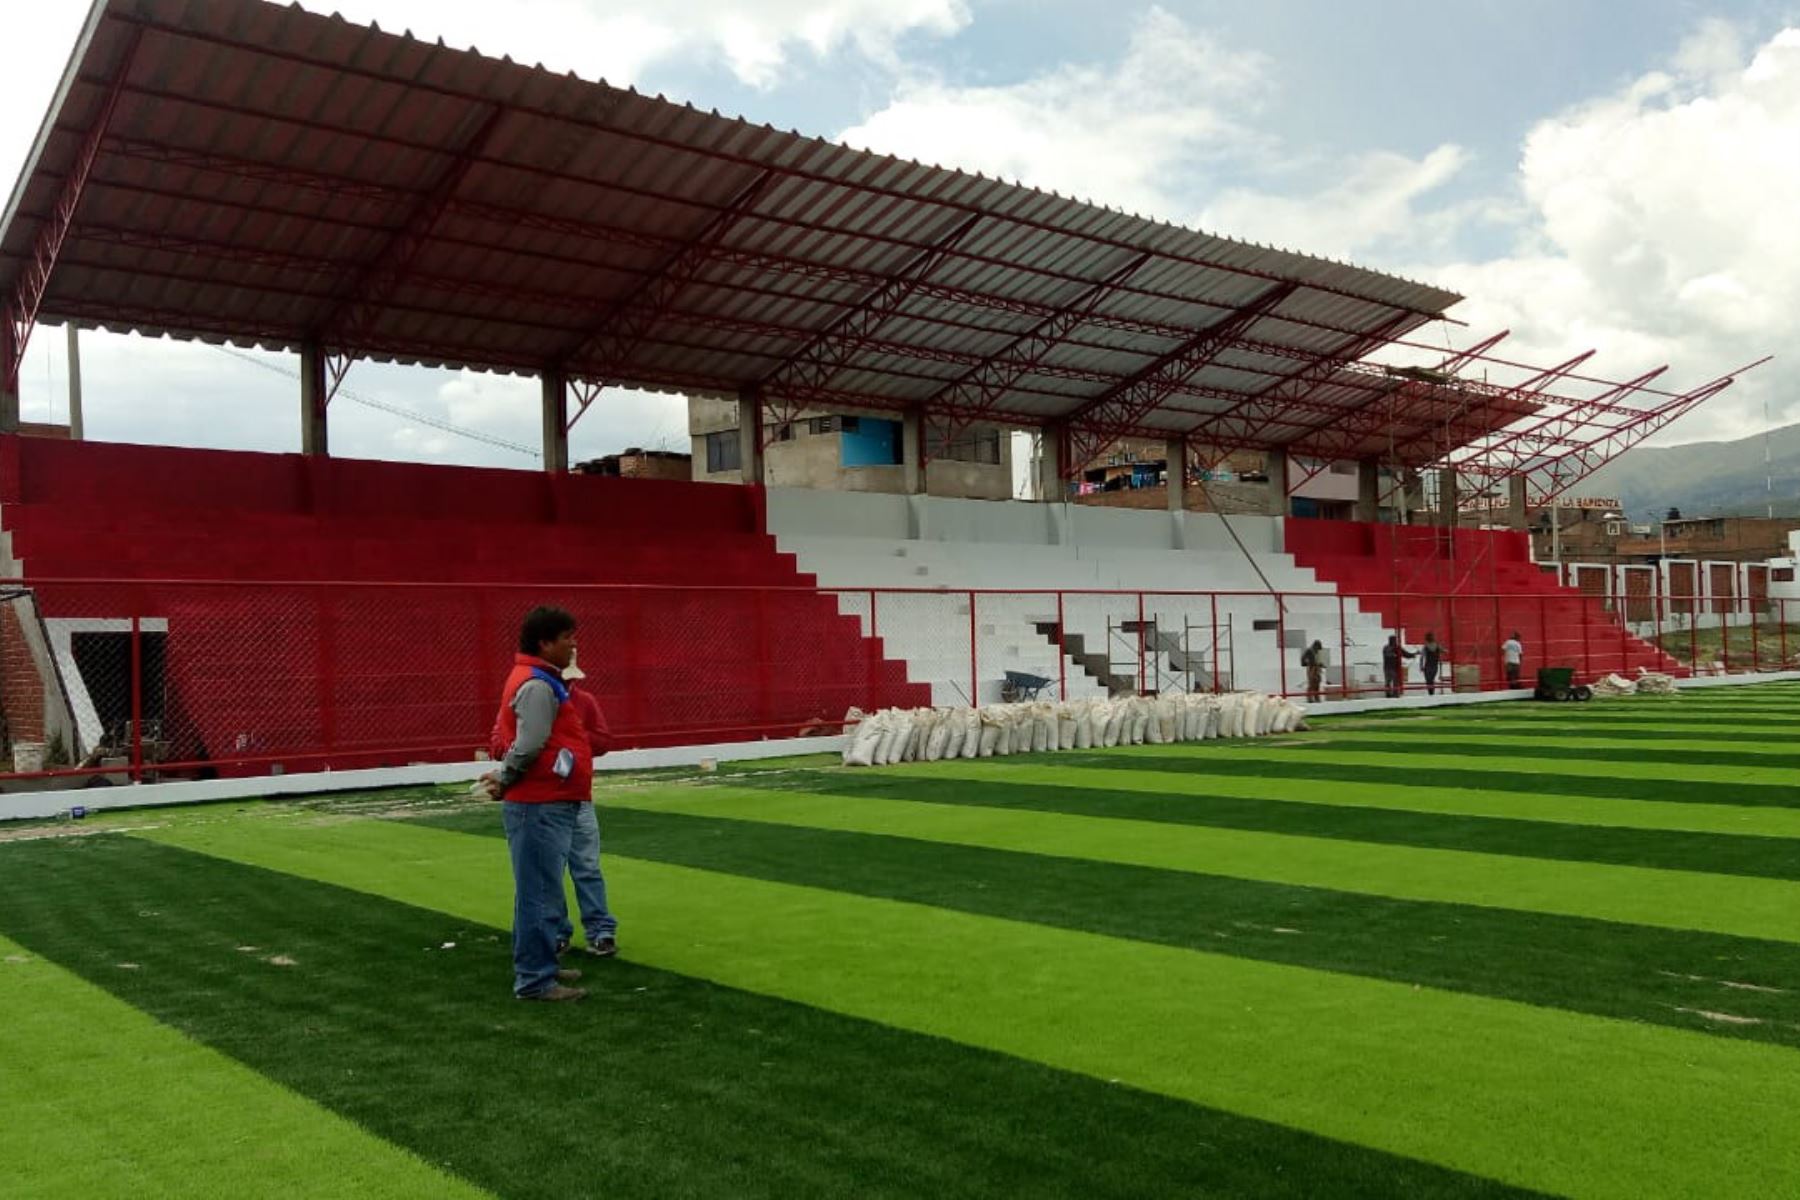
point(237, 171)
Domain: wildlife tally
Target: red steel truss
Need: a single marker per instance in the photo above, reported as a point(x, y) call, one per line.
point(804, 375)
point(26, 295)
point(1116, 412)
point(245, 172)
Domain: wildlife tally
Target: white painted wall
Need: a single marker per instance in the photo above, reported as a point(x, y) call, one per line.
point(943, 549)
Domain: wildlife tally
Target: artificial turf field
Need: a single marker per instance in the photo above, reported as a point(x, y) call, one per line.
point(1503, 950)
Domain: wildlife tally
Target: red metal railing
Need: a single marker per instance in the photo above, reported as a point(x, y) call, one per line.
point(145, 679)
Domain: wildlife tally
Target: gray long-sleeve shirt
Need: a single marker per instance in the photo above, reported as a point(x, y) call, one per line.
point(535, 705)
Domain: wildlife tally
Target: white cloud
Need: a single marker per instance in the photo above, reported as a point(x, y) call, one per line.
point(1131, 134)
point(1378, 198)
point(1663, 229)
point(619, 40)
point(1655, 224)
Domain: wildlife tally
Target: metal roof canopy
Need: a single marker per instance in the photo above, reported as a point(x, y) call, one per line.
point(236, 171)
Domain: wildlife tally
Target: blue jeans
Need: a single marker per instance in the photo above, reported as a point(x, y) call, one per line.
point(537, 839)
point(590, 885)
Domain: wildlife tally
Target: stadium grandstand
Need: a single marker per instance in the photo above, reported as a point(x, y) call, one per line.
point(253, 175)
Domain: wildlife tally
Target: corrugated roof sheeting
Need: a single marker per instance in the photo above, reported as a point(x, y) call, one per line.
point(270, 172)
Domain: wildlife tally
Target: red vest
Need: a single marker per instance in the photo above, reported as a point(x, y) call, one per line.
point(599, 733)
point(541, 784)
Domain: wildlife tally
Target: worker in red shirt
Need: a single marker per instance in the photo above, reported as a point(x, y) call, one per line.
point(584, 845)
point(544, 781)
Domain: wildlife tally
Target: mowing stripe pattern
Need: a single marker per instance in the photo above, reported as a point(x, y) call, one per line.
point(1499, 950)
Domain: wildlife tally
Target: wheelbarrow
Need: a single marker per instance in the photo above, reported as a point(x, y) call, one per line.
point(1558, 683)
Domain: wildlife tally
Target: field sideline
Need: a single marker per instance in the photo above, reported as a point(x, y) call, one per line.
point(1507, 950)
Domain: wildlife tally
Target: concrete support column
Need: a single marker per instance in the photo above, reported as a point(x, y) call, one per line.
point(750, 423)
point(9, 381)
point(1051, 487)
point(314, 427)
point(556, 421)
point(1275, 466)
point(1448, 497)
point(1516, 512)
point(77, 426)
point(912, 453)
point(1368, 490)
point(1175, 459)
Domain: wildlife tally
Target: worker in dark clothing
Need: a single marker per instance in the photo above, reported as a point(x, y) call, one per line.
point(1393, 670)
point(1313, 659)
point(1431, 656)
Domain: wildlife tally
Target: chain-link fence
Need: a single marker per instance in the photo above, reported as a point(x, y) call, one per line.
point(121, 681)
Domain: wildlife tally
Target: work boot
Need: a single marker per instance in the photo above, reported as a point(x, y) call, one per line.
point(604, 948)
point(567, 975)
point(557, 992)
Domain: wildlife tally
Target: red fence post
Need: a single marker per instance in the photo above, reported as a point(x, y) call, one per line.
point(326, 665)
point(1658, 598)
point(1587, 638)
point(1215, 643)
point(974, 663)
point(1062, 656)
point(634, 660)
point(1343, 649)
point(1396, 686)
point(1755, 648)
point(1281, 641)
point(1141, 639)
point(1499, 637)
point(137, 697)
point(1693, 636)
point(872, 683)
point(1725, 640)
point(765, 668)
point(1624, 635)
point(1544, 627)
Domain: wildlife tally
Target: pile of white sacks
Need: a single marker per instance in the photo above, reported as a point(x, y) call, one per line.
point(929, 734)
point(1648, 683)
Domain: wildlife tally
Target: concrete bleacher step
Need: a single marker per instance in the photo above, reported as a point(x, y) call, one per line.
point(153, 514)
point(1096, 667)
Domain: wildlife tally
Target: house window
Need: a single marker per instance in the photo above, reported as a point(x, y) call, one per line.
point(1781, 575)
point(722, 451)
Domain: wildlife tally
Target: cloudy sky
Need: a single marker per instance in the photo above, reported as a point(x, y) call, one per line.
point(1592, 174)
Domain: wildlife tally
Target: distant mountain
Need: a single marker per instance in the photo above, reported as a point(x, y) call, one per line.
point(1704, 479)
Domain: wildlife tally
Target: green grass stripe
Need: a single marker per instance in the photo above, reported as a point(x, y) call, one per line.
point(1444, 727)
point(1577, 718)
point(1671, 849)
point(1587, 715)
point(1599, 967)
point(1419, 755)
point(1557, 1101)
point(97, 1099)
point(1784, 752)
point(1732, 905)
point(659, 1085)
point(1398, 772)
point(1061, 770)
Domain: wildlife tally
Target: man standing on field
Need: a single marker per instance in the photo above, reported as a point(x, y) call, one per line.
point(1512, 652)
point(546, 774)
point(584, 847)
